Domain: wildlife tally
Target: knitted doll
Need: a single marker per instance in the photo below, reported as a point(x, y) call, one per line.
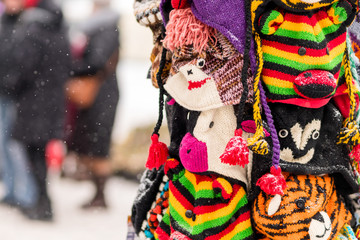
point(206, 78)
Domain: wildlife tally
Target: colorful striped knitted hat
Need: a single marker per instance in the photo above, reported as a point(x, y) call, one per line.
point(273, 46)
point(204, 207)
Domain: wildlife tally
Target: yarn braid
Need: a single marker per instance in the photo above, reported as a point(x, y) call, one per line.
point(257, 143)
point(350, 133)
point(162, 91)
point(273, 132)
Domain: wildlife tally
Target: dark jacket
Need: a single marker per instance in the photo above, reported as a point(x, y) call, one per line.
point(92, 130)
point(36, 77)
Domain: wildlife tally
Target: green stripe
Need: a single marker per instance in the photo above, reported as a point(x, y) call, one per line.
point(203, 193)
point(198, 229)
point(220, 220)
point(303, 66)
point(243, 234)
point(281, 90)
point(304, 35)
point(273, 15)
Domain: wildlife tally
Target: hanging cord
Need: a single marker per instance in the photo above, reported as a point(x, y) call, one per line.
point(257, 143)
point(158, 151)
point(350, 133)
point(246, 59)
point(273, 132)
point(162, 91)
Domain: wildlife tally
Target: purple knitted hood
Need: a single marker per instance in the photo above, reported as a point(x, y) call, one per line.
point(228, 17)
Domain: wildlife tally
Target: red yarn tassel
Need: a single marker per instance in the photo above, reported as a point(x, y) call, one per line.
point(236, 151)
point(158, 153)
point(179, 4)
point(355, 153)
point(272, 183)
point(355, 156)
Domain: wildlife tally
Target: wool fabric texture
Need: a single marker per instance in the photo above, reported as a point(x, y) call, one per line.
point(309, 145)
point(215, 83)
point(309, 209)
point(205, 207)
point(229, 18)
point(294, 43)
point(147, 12)
point(209, 133)
point(148, 190)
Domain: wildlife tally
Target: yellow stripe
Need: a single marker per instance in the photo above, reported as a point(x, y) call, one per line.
point(180, 209)
point(239, 228)
point(306, 59)
point(229, 208)
point(204, 185)
point(226, 185)
point(277, 82)
point(207, 216)
point(304, 27)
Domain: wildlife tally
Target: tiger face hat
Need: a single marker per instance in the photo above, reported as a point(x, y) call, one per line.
point(309, 209)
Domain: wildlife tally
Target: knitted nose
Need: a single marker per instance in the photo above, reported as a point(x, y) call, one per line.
point(193, 154)
point(315, 84)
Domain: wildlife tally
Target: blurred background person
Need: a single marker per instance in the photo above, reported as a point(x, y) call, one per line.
point(39, 68)
point(20, 188)
point(96, 54)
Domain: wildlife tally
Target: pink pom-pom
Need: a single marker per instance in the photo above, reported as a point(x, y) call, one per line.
point(184, 29)
point(272, 183)
point(236, 151)
point(158, 153)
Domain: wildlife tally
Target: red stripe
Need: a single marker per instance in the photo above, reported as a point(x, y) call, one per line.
point(312, 21)
point(179, 197)
point(162, 234)
point(309, 51)
point(278, 75)
point(243, 217)
point(212, 208)
point(337, 41)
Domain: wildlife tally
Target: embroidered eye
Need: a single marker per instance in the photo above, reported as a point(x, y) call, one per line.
point(283, 133)
point(200, 63)
point(316, 134)
point(300, 203)
point(189, 72)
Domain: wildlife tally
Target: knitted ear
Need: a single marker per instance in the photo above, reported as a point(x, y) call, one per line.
point(270, 21)
point(350, 132)
point(184, 29)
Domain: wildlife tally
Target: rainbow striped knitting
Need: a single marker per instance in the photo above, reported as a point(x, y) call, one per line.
point(205, 207)
point(296, 43)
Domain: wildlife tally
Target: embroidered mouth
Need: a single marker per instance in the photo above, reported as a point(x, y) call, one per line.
point(287, 155)
point(325, 231)
point(197, 84)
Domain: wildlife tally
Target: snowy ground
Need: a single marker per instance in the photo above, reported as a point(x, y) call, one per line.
point(72, 223)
